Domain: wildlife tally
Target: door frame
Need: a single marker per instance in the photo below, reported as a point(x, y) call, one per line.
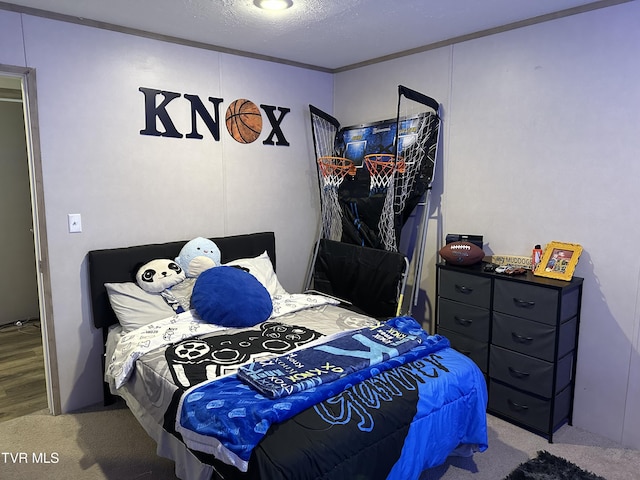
point(27, 77)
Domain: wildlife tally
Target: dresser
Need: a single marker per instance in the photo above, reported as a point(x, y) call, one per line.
point(522, 331)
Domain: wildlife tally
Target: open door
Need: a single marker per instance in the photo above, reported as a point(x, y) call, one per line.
point(18, 88)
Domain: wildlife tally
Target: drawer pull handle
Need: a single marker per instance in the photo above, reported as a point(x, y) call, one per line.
point(465, 322)
point(517, 406)
point(465, 352)
point(518, 373)
point(523, 303)
point(521, 339)
point(463, 289)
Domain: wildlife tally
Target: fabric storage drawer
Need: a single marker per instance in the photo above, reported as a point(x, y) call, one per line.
point(470, 289)
point(526, 301)
point(533, 338)
point(527, 409)
point(468, 320)
point(528, 373)
point(475, 350)
point(524, 336)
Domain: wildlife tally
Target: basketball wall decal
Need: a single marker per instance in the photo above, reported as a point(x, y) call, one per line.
point(243, 120)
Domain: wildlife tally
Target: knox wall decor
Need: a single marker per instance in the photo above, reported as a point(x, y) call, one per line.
point(243, 118)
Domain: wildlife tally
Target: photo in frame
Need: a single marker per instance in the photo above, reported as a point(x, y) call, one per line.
point(559, 260)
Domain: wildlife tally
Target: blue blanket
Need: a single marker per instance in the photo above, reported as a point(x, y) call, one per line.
point(227, 418)
point(333, 359)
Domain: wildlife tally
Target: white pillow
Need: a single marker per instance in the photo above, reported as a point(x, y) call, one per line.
point(261, 268)
point(134, 307)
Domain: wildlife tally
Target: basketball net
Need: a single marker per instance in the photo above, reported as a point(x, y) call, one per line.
point(382, 168)
point(331, 172)
point(418, 153)
point(334, 169)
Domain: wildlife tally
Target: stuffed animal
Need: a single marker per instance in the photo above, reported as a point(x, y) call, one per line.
point(158, 275)
point(198, 255)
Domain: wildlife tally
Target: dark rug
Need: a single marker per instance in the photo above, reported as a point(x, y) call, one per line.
point(549, 467)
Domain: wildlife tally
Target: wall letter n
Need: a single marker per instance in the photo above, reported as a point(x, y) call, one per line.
point(153, 111)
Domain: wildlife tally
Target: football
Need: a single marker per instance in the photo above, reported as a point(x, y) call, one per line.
point(462, 253)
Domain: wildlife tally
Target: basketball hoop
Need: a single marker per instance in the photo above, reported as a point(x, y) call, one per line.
point(381, 167)
point(334, 169)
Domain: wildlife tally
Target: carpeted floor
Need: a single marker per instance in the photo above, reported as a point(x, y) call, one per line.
point(94, 444)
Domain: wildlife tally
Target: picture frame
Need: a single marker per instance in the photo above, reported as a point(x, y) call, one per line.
point(559, 260)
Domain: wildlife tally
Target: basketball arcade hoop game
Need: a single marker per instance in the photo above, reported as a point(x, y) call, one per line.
point(376, 178)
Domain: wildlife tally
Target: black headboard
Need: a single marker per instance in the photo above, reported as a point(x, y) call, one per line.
point(118, 264)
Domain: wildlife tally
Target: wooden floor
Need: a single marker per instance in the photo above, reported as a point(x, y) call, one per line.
point(22, 381)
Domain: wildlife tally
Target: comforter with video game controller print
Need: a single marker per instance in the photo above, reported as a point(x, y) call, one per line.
point(227, 418)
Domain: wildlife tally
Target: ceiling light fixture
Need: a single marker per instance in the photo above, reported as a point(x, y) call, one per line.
point(273, 4)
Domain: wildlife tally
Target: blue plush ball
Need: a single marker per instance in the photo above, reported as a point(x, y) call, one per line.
point(230, 297)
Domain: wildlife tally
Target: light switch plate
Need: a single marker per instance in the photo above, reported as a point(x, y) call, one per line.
point(75, 223)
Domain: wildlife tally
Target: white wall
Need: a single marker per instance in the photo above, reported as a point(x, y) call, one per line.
point(131, 188)
point(541, 144)
point(11, 51)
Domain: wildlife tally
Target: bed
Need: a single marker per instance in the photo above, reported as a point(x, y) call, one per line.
point(394, 418)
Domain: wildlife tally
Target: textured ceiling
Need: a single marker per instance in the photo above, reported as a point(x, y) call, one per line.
point(327, 34)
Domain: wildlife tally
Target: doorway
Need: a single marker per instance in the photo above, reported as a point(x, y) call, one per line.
point(26, 324)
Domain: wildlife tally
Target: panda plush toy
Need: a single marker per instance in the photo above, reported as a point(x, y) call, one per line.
point(158, 275)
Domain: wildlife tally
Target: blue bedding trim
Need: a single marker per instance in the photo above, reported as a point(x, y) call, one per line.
point(228, 418)
point(450, 413)
point(333, 359)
